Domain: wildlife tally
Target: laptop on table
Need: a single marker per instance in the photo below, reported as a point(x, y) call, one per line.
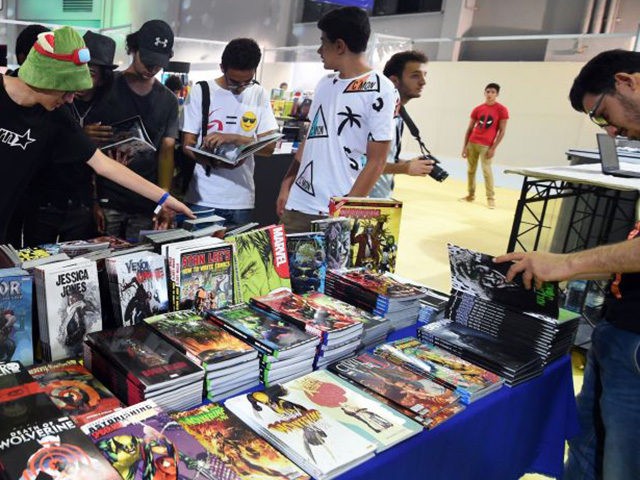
point(609, 158)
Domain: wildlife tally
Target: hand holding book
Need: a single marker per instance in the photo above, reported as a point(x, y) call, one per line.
point(230, 148)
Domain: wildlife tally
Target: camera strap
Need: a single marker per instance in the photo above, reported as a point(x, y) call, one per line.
point(413, 130)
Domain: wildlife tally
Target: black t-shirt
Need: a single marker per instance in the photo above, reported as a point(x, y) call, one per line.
point(625, 312)
point(30, 137)
point(159, 112)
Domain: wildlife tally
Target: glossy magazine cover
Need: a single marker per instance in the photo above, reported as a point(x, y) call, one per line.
point(16, 332)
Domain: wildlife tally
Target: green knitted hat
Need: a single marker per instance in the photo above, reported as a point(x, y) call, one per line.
point(57, 61)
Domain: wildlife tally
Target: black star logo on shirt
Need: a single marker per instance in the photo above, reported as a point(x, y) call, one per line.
point(23, 140)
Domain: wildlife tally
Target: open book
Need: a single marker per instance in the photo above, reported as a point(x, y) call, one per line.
point(131, 136)
point(233, 154)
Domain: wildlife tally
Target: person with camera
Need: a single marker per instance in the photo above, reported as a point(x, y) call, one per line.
point(407, 72)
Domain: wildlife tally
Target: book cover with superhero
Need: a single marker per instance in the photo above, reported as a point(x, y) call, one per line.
point(263, 265)
point(467, 379)
point(225, 436)
point(202, 340)
point(307, 262)
point(297, 309)
point(268, 333)
point(353, 408)
point(145, 357)
point(75, 391)
point(16, 329)
point(207, 278)
point(321, 445)
point(477, 274)
point(385, 287)
point(52, 448)
point(68, 306)
point(138, 285)
point(337, 238)
point(400, 385)
point(375, 232)
point(142, 442)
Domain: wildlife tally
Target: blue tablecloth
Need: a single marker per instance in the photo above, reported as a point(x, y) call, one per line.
point(500, 437)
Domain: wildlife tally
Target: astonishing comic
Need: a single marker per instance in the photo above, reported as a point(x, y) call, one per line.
point(263, 265)
point(75, 391)
point(375, 231)
point(201, 339)
point(142, 442)
point(268, 333)
point(225, 436)
point(307, 263)
point(16, 332)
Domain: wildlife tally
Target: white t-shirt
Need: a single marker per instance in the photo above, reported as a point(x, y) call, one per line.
point(247, 114)
point(345, 115)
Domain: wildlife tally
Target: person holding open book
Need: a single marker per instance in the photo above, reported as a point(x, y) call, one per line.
point(34, 131)
point(238, 113)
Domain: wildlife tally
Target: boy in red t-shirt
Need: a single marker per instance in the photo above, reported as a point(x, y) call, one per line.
point(485, 131)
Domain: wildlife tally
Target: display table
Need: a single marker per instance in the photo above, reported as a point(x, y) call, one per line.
point(500, 437)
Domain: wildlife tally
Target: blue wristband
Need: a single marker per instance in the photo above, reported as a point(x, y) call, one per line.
point(160, 203)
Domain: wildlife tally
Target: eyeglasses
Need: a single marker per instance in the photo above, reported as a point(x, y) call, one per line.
point(236, 86)
point(599, 120)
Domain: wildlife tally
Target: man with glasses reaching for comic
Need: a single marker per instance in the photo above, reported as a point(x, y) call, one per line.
point(608, 91)
point(239, 112)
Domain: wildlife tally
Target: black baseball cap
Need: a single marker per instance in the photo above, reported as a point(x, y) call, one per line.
point(155, 43)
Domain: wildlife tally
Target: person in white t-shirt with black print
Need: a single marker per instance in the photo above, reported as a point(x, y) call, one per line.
point(351, 128)
point(239, 112)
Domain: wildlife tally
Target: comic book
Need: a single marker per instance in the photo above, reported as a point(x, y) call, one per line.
point(129, 137)
point(231, 153)
point(267, 333)
point(316, 442)
point(405, 388)
point(263, 265)
point(52, 447)
point(206, 278)
point(75, 391)
point(323, 322)
point(144, 357)
point(143, 442)
point(375, 232)
point(307, 262)
point(69, 306)
point(466, 379)
point(16, 330)
point(138, 286)
point(353, 408)
point(337, 235)
point(205, 343)
point(225, 436)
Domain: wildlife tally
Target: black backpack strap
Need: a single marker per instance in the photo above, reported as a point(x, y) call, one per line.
point(206, 102)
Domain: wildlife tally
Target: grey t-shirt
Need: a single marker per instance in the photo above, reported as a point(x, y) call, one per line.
point(384, 186)
point(159, 112)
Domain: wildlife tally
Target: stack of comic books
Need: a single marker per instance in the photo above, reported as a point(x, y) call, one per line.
point(263, 264)
point(352, 407)
point(37, 440)
point(202, 274)
point(286, 418)
point(28, 257)
point(230, 364)
point(157, 238)
point(337, 238)
point(375, 328)
point(427, 402)
point(16, 329)
point(137, 364)
point(340, 335)
point(528, 321)
point(376, 293)
point(75, 391)
point(285, 350)
point(138, 286)
point(469, 381)
point(68, 301)
point(307, 262)
point(202, 221)
point(143, 442)
point(247, 455)
point(375, 231)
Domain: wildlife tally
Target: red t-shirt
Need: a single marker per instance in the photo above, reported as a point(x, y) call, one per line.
point(487, 118)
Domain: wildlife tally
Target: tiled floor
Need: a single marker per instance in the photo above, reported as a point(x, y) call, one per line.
point(432, 217)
